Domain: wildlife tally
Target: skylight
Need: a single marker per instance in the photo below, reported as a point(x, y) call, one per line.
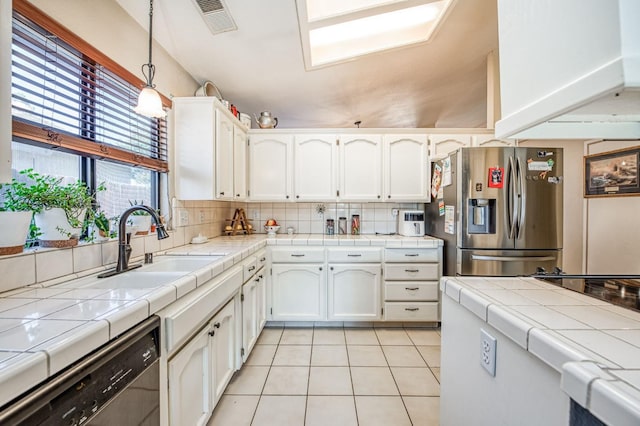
point(338, 30)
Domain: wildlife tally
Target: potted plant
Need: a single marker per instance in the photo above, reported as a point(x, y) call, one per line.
point(15, 219)
point(62, 212)
point(103, 224)
point(140, 220)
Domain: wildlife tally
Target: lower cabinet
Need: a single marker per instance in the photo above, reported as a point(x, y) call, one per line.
point(249, 316)
point(354, 292)
point(298, 292)
point(200, 371)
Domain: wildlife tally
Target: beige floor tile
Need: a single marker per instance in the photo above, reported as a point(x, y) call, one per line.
point(431, 355)
point(280, 411)
point(270, 336)
point(234, 410)
point(248, 381)
point(423, 411)
point(436, 372)
point(381, 411)
point(287, 381)
point(328, 336)
point(416, 381)
point(329, 355)
point(393, 336)
point(293, 355)
point(297, 336)
point(361, 337)
point(403, 356)
point(331, 410)
point(366, 356)
point(262, 355)
point(373, 381)
point(424, 337)
point(330, 381)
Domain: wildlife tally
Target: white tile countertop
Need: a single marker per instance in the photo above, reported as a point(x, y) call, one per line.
point(592, 343)
point(45, 329)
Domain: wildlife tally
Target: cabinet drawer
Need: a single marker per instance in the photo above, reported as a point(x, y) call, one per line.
point(249, 267)
point(411, 255)
point(410, 290)
point(352, 255)
point(297, 254)
point(411, 271)
point(261, 258)
point(411, 311)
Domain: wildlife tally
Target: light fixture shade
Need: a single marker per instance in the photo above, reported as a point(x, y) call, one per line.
point(150, 104)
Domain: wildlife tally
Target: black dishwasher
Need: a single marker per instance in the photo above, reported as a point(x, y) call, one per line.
point(118, 384)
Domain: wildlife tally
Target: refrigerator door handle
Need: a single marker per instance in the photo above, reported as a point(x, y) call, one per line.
point(512, 258)
point(521, 198)
point(511, 205)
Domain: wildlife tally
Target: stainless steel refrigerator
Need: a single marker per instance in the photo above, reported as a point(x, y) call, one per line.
point(499, 210)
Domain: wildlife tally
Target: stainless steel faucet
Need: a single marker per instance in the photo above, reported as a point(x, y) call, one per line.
point(124, 240)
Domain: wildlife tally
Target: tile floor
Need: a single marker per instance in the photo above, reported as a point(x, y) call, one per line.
point(337, 377)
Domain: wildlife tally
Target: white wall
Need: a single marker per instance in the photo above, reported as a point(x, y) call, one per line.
point(612, 237)
point(572, 213)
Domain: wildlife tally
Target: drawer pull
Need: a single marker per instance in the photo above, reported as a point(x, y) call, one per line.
point(412, 288)
point(211, 333)
point(412, 270)
point(412, 255)
point(354, 255)
point(263, 259)
point(297, 255)
point(251, 268)
point(412, 309)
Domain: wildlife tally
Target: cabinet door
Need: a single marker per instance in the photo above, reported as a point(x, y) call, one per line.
point(270, 167)
point(315, 167)
point(261, 301)
point(407, 170)
point(194, 148)
point(239, 163)
point(249, 316)
point(490, 140)
point(223, 348)
point(442, 145)
point(298, 292)
point(224, 157)
point(190, 382)
point(360, 167)
point(354, 292)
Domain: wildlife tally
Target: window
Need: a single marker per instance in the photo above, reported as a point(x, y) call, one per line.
point(73, 115)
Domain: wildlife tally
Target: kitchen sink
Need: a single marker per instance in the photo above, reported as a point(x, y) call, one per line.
point(177, 263)
point(136, 280)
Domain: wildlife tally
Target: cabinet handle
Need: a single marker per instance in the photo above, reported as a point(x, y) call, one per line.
point(263, 259)
point(412, 288)
point(238, 195)
point(331, 267)
point(379, 196)
point(260, 276)
point(320, 268)
point(354, 255)
point(297, 196)
point(211, 333)
point(412, 254)
point(216, 325)
point(412, 309)
point(412, 270)
point(251, 268)
point(257, 280)
point(297, 255)
point(222, 193)
point(287, 197)
point(388, 196)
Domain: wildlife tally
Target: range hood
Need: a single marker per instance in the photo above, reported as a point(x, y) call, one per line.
point(569, 69)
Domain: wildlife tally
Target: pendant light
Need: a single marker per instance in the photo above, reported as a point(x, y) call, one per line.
point(149, 102)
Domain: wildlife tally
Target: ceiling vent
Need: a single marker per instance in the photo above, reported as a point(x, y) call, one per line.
point(214, 13)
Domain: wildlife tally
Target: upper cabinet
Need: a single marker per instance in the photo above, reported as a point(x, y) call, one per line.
point(484, 141)
point(442, 145)
point(270, 167)
point(315, 167)
point(360, 167)
point(406, 167)
point(206, 167)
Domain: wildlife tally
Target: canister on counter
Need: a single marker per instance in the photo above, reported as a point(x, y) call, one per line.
point(342, 225)
point(330, 227)
point(355, 224)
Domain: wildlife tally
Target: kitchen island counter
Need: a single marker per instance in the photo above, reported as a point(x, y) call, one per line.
point(592, 346)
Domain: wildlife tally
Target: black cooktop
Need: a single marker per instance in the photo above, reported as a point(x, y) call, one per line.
point(620, 290)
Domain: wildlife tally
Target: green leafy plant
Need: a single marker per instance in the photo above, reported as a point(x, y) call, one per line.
point(138, 212)
point(104, 225)
point(43, 192)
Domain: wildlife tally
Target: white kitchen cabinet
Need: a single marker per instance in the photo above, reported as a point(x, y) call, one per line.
point(360, 167)
point(440, 146)
point(239, 163)
point(406, 168)
point(190, 384)
point(249, 316)
point(490, 140)
point(261, 301)
point(223, 350)
point(315, 167)
point(270, 167)
point(354, 292)
point(224, 156)
point(298, 292)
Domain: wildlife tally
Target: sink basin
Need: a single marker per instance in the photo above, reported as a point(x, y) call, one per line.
point(183, 264)
point(135, 280)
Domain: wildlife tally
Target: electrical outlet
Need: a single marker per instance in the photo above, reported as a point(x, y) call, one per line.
point(202, 216)
point(488, 352)
point(184, 218)
point(395, 212)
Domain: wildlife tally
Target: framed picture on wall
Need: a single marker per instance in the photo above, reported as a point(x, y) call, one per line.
point(613, 173)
